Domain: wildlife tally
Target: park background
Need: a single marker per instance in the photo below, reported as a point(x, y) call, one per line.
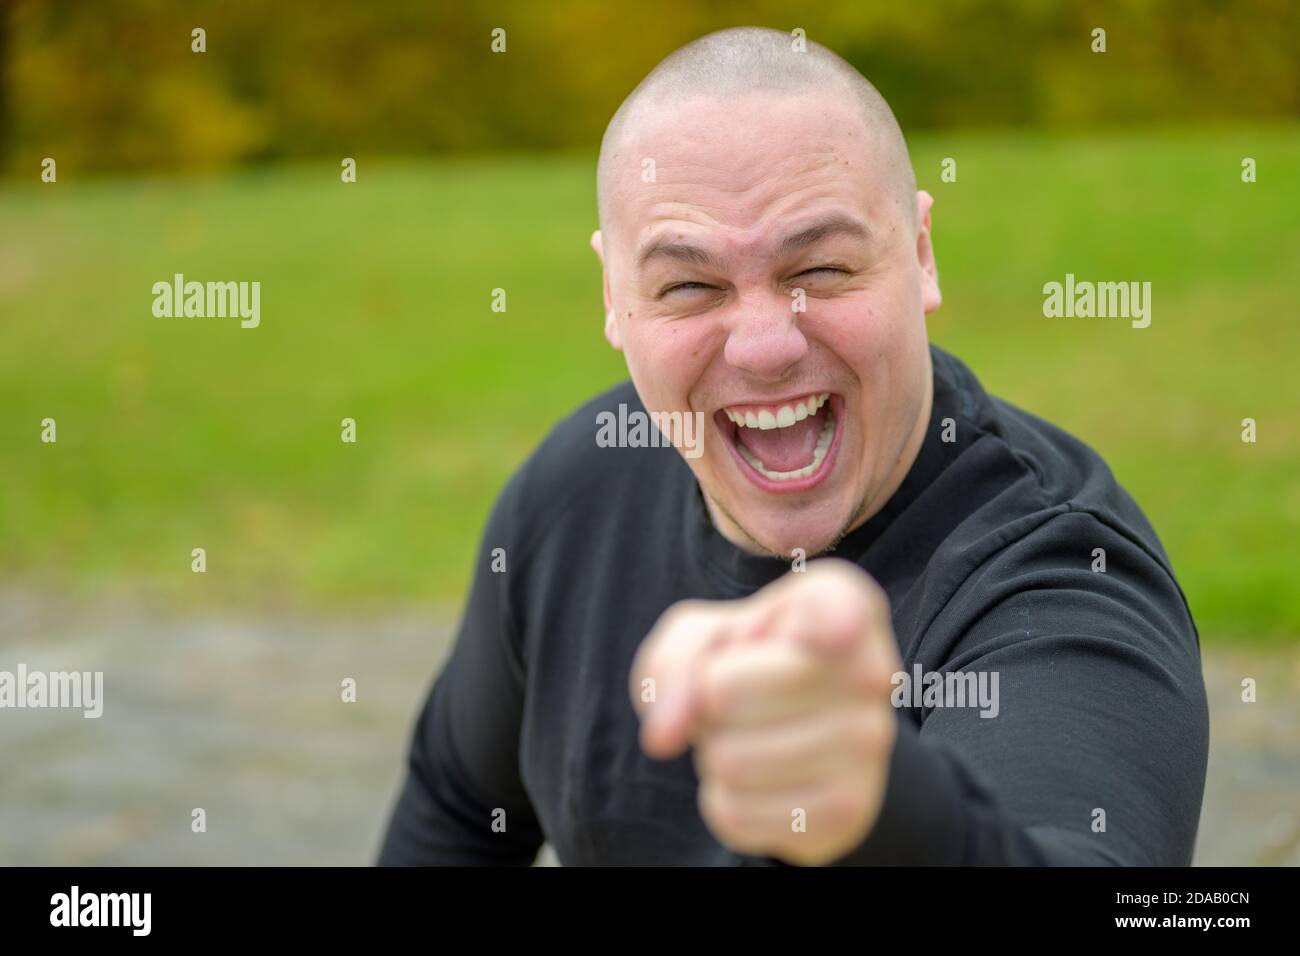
point(475, 171)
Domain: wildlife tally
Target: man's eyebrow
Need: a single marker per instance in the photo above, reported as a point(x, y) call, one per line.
point(681, 251)
point(835, 225)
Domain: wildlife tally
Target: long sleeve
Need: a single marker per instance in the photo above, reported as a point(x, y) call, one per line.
point(1102, 718)
point(462, 801)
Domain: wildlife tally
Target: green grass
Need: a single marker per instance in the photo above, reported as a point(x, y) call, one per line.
point(175, 434)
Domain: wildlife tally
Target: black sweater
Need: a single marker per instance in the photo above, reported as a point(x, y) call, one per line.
point(987, 553)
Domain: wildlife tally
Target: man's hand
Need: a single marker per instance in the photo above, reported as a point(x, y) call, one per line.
point(785, 697)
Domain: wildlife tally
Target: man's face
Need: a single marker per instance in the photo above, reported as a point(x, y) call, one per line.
point(812, 417)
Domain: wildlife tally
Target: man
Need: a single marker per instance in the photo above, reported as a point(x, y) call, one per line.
point(995, 665)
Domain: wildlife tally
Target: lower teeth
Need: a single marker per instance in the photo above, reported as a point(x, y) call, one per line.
point(819, 453)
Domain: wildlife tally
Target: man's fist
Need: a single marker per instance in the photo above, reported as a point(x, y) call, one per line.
point(785, 697)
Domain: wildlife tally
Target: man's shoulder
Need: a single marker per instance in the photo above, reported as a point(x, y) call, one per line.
point(1024, 484)
point(572, 451)
point(1057, 469)
point(1042, 511)
point(572, 470)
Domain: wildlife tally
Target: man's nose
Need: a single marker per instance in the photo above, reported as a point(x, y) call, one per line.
point(765, 340)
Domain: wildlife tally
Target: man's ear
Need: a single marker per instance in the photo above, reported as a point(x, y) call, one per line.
point(931, 298)
point(611, 323)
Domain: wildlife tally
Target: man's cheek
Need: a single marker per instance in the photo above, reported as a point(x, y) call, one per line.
point(664, 376)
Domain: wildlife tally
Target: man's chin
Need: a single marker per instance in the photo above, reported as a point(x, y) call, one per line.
point(789, 545)
point(782, 536)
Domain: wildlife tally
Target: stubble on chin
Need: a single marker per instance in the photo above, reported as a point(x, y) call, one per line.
point(752, 544)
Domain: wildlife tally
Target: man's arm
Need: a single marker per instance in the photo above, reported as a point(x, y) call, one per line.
point(463, 801)
point(1102, 718)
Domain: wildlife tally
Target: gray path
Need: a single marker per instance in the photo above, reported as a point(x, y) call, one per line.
point(243, 717)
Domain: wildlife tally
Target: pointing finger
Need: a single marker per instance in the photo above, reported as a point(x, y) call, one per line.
point(665, 673)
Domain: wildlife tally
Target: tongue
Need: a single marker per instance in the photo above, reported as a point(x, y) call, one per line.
point(785, 449)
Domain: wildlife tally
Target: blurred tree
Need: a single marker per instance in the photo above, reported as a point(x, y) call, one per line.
point(116, 86)
point(4, 86)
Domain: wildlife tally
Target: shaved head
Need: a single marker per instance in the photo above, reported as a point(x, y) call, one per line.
point(749, 60)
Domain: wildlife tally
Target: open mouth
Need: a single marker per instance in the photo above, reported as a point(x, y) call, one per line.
point(784, 447)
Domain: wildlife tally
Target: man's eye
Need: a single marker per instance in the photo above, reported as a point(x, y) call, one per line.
point(825, 270)
point(684, 286)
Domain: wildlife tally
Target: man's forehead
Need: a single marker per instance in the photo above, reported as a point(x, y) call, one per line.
point(709, 130)
point(737, 161)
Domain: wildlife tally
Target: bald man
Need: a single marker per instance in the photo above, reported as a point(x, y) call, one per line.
point(836, 604)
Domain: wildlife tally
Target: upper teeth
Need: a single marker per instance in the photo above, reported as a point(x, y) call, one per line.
point(784, 417)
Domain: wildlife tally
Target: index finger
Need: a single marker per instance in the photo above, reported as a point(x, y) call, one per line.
point(665, 672)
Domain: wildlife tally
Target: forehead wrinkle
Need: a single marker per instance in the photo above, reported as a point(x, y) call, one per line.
point(830, 225)
point(672, 221)
point(727, 207)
